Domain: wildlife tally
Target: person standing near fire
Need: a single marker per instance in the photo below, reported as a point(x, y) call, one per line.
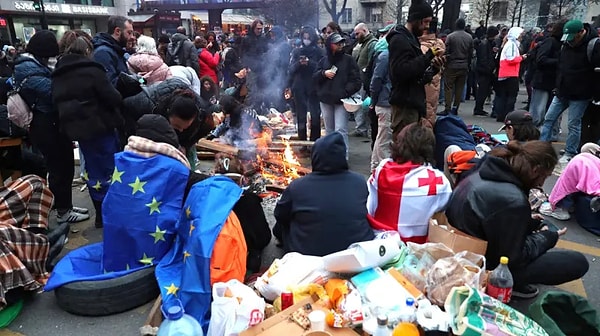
point(303, 63)
point(337, 77)
point(253, 49)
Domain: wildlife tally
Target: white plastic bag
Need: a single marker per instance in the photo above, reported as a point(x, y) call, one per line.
point(293, 269)
point(235, 308)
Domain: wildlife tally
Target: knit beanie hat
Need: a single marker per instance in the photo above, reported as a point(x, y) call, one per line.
point(43, 44)
point(419, 10)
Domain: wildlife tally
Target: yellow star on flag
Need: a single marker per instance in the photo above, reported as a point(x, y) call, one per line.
point(192, 227)
point(154, 206)
point(171, 289)
point(158, 234)
point(97, 186)
point(137, 186)
point(186, 254)
point(146, 260)
point(116, 176)
point(188, 212)
point(85, 176)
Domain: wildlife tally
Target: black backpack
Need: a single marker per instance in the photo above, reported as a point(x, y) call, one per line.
point(174, 53)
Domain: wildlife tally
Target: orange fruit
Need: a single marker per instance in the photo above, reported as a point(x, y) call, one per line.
point(405, 329)
point(330, 318)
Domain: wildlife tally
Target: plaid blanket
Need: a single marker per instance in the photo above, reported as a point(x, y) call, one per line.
point(24, 204)
point(148, 148)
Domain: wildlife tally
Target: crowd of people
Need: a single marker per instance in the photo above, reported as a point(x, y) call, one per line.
point(96, 90)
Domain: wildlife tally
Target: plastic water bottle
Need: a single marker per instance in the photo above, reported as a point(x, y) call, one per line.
point(500, 282)
point(409, 312)
point(382, 328)
point(177, 323)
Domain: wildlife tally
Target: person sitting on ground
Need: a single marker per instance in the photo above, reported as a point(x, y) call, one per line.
point(492, 204)
point(581, 175)
point(325, 211)
point(147, 63)
point(27, 248)
point(459, 163)
point(405, 191)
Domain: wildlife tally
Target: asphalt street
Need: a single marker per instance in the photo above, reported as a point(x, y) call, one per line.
point(41, 315)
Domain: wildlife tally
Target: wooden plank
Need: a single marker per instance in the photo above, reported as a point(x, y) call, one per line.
point(278, 162)
point(10, 142)
point(203, 155)
point(294, 143)
point(204, 144)
point(155, 316)
point(275, 188)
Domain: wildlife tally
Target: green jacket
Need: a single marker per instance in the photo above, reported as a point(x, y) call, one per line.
point(562, 313)
point(367, 49)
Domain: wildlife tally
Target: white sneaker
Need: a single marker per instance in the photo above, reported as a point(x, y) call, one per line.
point(71, 217)
point(80, 210)
point(564, 159)
point(558, 213)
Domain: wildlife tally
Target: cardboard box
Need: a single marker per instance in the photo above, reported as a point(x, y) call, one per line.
point(440, 231)
point(281, 325)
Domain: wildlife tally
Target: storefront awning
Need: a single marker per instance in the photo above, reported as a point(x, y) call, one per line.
point(141, 18)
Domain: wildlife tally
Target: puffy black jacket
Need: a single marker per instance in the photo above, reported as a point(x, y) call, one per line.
point(576, 78)
point(325, 211)
point(546, 59)
point(86, 101)
point(407, 69)
point(145, 101)
point(37, 90)
point(491, 204)
point(345, 83)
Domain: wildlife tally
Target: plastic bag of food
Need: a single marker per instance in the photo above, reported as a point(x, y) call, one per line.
point(345, 301)
point(235, 308)
point(463, 269)
point(436, 250)
point(294, 269)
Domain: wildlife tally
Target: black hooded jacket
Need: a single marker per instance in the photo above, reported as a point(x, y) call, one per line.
point(87, 103)
point(300, 76)
point(407, 69)
point(546, 60)
point(576, 78)
point(325, 211)
point(346, 81)
point(492, 204)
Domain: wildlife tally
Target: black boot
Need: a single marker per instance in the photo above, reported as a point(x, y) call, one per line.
point(98, 221)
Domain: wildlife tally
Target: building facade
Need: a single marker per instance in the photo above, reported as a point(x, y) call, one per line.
point(19, 20)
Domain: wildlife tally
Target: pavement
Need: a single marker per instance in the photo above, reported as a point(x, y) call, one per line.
point(41, 315)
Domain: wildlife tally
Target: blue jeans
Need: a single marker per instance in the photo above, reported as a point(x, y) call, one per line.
point(576, 110)
point(336, 120)
point(362, 117)
point(100, 163)
point(538, 106)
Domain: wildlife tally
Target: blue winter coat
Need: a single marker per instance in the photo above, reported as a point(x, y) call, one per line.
point(111, 55)
point(37, 90)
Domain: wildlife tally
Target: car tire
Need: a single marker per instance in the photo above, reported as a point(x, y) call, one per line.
point(107, 297)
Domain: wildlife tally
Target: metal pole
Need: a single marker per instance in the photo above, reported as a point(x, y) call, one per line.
point(44, 19)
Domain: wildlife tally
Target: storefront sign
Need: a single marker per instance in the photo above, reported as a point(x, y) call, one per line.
point(27, 6)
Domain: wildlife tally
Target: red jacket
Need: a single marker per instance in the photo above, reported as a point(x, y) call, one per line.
point(208, 64)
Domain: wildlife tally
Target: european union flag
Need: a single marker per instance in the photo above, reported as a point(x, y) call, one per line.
point(184, 273)
point(141, 210)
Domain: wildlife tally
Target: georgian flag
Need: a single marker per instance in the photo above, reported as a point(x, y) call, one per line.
point(403, 197)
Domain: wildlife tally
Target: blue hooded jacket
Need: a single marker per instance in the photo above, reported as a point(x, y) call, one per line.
point(111, 55)
point(37, 90)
